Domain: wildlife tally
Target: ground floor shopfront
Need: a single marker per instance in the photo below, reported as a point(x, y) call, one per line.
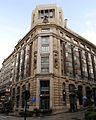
point(53, 92)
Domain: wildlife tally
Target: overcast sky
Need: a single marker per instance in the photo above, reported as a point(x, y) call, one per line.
point(15, 20)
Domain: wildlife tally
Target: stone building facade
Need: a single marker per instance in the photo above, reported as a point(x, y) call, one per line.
point(55, 64)
point(6, 78)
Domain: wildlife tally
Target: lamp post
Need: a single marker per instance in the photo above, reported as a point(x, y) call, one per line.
point(26, 96)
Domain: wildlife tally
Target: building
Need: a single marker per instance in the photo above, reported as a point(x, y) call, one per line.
point(6, 77)
point(55, 64)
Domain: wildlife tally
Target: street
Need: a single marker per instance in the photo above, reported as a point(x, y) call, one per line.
point(61, 116)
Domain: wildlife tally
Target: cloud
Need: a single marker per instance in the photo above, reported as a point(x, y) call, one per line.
point(88, 22)
point(90, 35)
point(87, 26)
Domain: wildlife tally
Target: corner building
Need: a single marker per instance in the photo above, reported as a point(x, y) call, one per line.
point(53, 63)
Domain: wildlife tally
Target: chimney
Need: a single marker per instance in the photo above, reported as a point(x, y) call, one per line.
point(65, 23)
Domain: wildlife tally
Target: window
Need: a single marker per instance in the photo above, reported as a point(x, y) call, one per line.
point(44, 60)
point(61, 33)
point(75, 42)
point(49, 13)
point(52, 13)
point(45, 44)
point(18, 90)
point(45, 40)
point(45, 29)
point(45, 64)
point(67, 37)
point(88, 48)
point(44, 94)
point(46, 13)
point(45, 70)
point(82, 45)
point(68, 59)
point(42, 14)
point(44, 85)
point(45, 49)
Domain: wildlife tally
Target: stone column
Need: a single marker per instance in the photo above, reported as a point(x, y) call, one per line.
point(51, 93)
point(38, 56)
point(51, 55)
point(38, 93)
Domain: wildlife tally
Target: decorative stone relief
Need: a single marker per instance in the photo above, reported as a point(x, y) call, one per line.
point(35, 60)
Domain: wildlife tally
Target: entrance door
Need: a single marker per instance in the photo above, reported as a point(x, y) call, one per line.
point(44, 94)
point(44, 103)
point(73, 98)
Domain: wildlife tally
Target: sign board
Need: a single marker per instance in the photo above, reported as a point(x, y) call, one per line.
point(33, 99)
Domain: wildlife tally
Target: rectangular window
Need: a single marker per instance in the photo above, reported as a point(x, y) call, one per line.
point(52, 13)
point(45, 60)
point(67, 37)
point(45, 49)
point(46, 13)
point(45, 64)
point(45, 39)
point(42, 14)
point(44, 94)
point(44, 70)
point(45, 44)
point(49, 13)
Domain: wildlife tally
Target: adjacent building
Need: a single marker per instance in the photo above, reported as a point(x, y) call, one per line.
point(6, 78)
point(55, 64)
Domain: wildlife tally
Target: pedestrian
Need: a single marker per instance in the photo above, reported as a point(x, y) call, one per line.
point(84, 101)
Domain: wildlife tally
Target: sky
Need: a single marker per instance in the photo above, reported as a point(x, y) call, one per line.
point(15, 20)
